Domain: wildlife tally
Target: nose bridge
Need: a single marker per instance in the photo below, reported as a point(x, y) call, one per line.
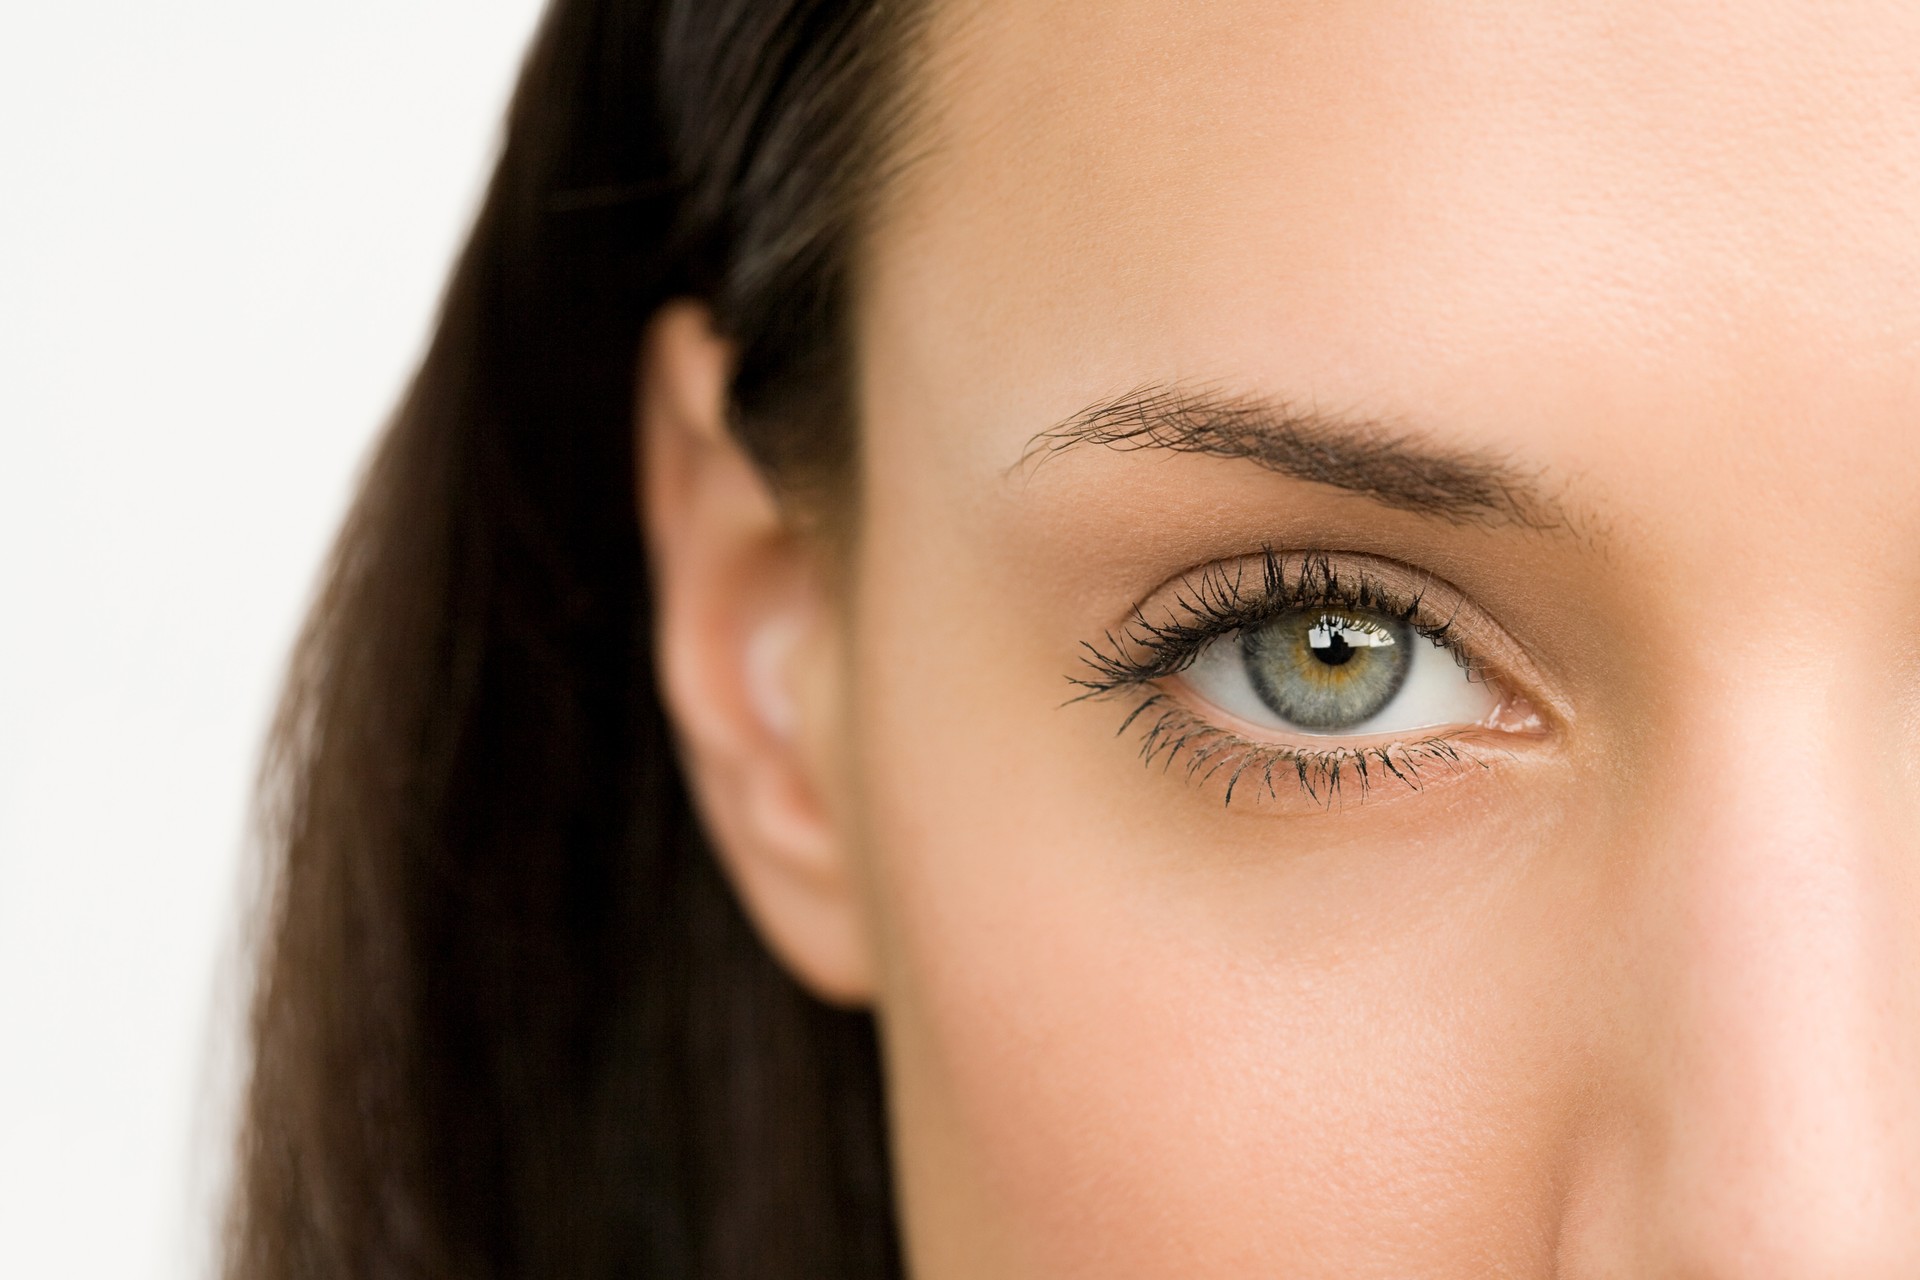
point(1779, 1027)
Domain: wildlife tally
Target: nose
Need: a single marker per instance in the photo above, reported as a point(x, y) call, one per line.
point(1768, 1028)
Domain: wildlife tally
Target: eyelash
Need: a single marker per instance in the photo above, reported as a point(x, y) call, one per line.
point(1218, 602)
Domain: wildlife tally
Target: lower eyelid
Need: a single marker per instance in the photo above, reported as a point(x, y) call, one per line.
point(1172, 733)
point(1177, 689)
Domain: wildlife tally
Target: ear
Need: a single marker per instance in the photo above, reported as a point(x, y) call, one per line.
point(748, 654)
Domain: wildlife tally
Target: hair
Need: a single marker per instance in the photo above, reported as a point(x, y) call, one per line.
point(509, 1018)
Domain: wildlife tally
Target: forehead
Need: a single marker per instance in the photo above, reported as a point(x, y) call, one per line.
point(1493, 218)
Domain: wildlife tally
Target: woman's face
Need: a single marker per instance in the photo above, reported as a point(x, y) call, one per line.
point(1537, 390)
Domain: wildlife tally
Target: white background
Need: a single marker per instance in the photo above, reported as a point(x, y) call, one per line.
point(223, 228)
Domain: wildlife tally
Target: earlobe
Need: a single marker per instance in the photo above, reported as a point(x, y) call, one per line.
point(744, 645)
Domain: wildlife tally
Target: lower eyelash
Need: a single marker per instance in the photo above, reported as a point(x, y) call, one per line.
point(1171, 732)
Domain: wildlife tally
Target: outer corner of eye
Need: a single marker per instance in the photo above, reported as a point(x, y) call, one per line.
point(1514, 713)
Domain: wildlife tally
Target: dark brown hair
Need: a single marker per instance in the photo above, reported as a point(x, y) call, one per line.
point(509, 1019)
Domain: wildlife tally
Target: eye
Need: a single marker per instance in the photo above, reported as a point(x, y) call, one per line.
point(1328, 672)
point(1332, 671)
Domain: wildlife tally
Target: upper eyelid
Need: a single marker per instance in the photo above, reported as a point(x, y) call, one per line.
point(1134, 652)
point(1202, 603)
point(1323, 580)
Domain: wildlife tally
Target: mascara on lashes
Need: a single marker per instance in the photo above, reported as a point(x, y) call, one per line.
point(1219, 601)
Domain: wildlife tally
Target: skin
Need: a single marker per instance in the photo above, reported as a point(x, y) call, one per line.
point(1641, 997)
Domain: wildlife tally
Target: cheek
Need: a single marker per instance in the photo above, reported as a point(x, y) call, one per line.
point(1129, 1035)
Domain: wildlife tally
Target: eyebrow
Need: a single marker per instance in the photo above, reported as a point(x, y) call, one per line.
point(1363, 456)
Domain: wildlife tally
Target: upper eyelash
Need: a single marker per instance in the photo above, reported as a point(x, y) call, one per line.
point(1219, 601)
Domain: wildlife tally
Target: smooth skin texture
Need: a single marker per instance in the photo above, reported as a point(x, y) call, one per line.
point(1639, 997)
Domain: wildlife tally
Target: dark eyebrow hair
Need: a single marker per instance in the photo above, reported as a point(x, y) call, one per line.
point(1360, 455)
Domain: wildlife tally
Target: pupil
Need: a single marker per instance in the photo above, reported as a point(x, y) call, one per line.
point(1336, 652)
